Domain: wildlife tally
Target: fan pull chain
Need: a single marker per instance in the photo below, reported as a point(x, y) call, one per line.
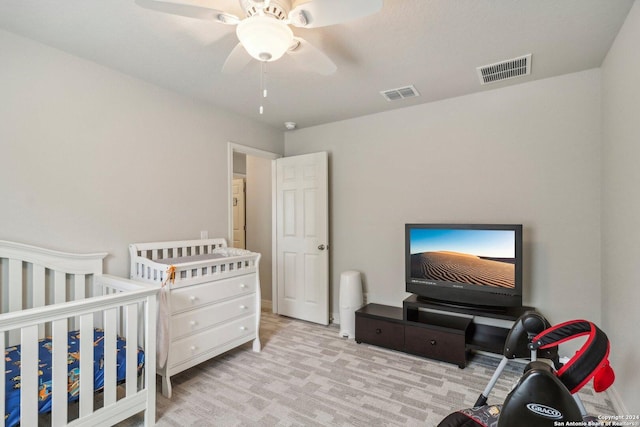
point(263, 84)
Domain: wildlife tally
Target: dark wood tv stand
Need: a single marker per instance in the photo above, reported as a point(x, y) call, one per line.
point(433, 330)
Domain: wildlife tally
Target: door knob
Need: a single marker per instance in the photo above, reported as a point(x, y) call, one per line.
point(321, 247)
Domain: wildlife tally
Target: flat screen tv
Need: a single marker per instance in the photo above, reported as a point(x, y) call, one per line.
point(477, 265)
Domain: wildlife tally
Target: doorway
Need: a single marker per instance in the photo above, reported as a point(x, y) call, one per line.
point(286, 220)
point(254, 168)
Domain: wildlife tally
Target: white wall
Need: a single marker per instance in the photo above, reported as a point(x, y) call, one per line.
point(93, 160)
point(621, 208)
point(525, 154)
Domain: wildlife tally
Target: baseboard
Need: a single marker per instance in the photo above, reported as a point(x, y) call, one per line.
point(616, 401)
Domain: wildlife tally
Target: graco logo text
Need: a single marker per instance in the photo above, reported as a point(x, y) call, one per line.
point(544, 411)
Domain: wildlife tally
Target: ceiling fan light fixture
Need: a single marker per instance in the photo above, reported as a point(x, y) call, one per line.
point(265, 38)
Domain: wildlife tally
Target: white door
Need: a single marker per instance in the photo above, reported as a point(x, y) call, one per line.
point(239, 227)
point(302, 237)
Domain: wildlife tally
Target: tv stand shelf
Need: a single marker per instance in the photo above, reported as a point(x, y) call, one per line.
point(433, 330)
point(507, 313)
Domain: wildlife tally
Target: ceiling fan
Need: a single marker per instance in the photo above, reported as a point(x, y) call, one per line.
point(265, 32)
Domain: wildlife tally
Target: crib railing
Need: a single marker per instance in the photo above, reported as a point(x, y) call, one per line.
point(144, 265)
point(181, 248)
point(194, 272)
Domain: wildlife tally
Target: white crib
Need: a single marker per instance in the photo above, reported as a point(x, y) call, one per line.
point(46, 293)
point(211, 302)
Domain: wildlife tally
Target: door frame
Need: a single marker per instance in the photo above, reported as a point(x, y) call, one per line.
point(256, 152)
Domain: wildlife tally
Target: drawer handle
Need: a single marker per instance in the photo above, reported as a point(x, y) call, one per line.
point(433, 342)
point(243, 307)
point(193, 323)
point(193, 348)
point(243, 328)
point(193, 298)
point(242, 285)
point(378, 331)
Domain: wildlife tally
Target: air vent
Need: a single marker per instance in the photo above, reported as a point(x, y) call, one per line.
point(399, 93)
point(505, 70)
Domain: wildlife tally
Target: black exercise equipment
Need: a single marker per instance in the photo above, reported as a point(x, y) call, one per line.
point(545, 394)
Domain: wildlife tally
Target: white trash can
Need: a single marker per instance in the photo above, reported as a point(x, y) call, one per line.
point(350, 301)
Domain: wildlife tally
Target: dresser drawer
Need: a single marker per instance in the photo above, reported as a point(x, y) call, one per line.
point(194, 296)
point(436, 344)
point(379, 332)
point(195, 320)
point(206, 341)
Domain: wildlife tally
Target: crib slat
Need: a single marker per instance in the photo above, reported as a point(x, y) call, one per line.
point(59, 381)
point(15, 293)
point(86, 364)
point(59, 287)
point(110, 325)
point(131, 317)
point(29, 376)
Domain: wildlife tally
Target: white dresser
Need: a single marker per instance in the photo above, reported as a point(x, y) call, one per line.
point(212, 304)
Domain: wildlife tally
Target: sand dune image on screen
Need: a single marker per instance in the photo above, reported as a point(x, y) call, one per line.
point(462, 268)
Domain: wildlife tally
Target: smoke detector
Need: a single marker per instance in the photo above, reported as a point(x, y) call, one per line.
point(504, 70)
point(290, 125)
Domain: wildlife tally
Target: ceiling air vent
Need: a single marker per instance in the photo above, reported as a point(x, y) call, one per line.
point(504, 70)
point(399, 93)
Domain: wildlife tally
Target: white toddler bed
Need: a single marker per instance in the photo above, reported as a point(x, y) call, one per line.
point(50, 301)
point(210, 302)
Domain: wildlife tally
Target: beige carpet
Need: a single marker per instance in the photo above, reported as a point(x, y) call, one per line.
point(306, 375)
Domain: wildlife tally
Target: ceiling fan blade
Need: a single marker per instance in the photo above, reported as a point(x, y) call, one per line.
point(189, 10)
point(310, 58)
point(237, 60)
point(320, 13)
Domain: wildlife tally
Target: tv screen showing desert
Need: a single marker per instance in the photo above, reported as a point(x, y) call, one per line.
point(480, 257)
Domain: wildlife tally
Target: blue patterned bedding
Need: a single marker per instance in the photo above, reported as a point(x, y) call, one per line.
point(12, 373)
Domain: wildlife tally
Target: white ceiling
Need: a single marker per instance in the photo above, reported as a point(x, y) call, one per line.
point(434, 45)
